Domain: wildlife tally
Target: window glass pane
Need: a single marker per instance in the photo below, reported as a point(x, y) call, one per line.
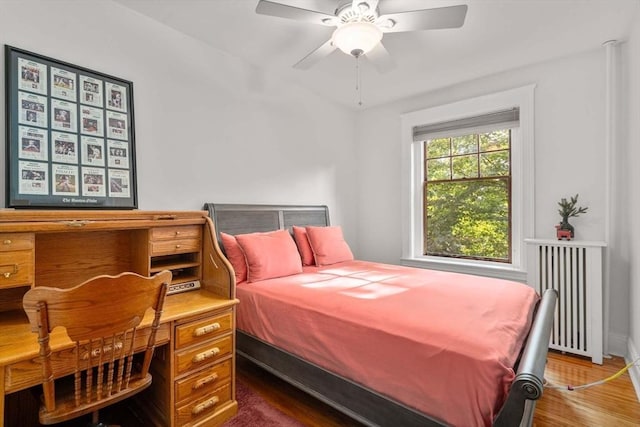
point(468, 219)
point(438, 169)
point(496, 140)
point(465, 144)
point(464, 166)
point(438, 148)
point(495, 163)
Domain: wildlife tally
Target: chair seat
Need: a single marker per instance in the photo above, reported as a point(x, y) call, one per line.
point(66, 408)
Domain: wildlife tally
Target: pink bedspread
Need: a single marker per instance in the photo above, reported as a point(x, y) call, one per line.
point(442, 343)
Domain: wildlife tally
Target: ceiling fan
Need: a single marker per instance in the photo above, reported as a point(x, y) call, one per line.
point(360, 27)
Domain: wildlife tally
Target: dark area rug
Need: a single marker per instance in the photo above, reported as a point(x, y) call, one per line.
point(254, 411)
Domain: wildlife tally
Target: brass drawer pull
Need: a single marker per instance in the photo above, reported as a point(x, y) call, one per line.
point(206, 329)
point(165, 217)
point(206, 355)
point(177, 233)
point(76, 223)
point(205, 405)
point(7, 242)
point(8, 274)
point(204, 381)
point(178, 246)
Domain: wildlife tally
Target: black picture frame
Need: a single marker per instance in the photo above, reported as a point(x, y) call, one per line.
point(70, 136)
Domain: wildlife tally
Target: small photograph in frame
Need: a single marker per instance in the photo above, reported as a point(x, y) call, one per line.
point(70, 135)
point(116, 125)
point(91, 91)
point(33, 76)
point(118, 183)
point(63, 115)
point(33, 109)
point(33, 143)
point(63, 84)
point(34, 177)
point(92, 151)
point(118, 154)
point(65, 179)
point(93, 182)
point(92, 120)
point(116, 97)
point(65, 147)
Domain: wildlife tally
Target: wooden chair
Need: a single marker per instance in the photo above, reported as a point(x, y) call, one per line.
point(101, 317)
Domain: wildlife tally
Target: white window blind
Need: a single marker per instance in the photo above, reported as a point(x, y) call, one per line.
point(506, 119)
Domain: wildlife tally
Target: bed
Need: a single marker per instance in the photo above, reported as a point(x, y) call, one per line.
point(328, 331)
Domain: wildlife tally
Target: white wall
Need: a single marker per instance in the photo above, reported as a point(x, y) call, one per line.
point(632, 204)
point(569, 158)
point(209, 128)
point(212, 128)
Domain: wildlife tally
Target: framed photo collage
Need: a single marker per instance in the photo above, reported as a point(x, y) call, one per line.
point(70, 136)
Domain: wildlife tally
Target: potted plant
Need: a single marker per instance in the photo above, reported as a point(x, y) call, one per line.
point(567, 210)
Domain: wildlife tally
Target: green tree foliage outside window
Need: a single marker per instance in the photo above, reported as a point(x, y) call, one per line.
point(467, 196)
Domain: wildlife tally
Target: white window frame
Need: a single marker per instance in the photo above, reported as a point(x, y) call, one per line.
point(522, 183)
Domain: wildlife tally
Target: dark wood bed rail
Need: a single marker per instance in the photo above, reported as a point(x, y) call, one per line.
point(361, 403)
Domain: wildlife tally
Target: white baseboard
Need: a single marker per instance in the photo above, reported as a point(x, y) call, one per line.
point(634, 371)
point(618, 344)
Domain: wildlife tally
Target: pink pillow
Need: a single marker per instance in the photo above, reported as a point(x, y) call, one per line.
point(235, 256)
point(271, 254)
point(300, 236)
point(328, 245)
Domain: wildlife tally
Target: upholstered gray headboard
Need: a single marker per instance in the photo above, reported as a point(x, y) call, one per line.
point(241, 218)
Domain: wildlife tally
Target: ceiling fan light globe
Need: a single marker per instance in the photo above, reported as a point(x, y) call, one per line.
point(356, 36)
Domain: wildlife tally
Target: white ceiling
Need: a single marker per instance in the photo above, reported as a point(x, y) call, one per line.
point(497, 35)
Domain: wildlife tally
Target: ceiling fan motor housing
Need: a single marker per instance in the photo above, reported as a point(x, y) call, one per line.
point(363, 13)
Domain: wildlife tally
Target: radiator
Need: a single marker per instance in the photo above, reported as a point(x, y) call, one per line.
point(574, 270)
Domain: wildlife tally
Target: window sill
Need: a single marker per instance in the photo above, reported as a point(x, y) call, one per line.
point(499, 271)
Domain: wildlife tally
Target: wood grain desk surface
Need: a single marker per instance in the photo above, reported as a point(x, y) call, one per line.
point(17, 342)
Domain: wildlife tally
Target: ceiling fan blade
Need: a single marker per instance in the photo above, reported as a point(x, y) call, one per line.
point(266, 7)
point(380, 58)
point(315, 56)
point(426, 19)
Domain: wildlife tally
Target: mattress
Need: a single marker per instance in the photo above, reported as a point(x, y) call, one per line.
point(442, 343)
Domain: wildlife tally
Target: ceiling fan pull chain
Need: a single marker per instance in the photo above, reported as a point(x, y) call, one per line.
point(358, 81)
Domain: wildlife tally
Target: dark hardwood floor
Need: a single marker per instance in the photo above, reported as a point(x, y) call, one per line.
point(290, 400)
point(612, 404)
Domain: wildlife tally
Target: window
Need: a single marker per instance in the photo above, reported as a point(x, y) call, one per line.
point(468, 199)
point(467, 196)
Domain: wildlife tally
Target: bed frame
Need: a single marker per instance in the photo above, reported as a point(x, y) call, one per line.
point(361, 403)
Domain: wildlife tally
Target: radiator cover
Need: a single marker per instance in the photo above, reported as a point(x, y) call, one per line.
point(574, 269)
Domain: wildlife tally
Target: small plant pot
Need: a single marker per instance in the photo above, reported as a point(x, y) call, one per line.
point(564, 233)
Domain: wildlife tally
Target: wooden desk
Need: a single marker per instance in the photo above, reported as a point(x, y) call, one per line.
point(194, 373)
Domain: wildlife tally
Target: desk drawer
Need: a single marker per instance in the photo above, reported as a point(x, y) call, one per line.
point(203, 407)
point(16, 268)
point(202, 330)
point(203, 354)
point(203, 382)
point(177, 246)
point(172, 233)
point(16, 241)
